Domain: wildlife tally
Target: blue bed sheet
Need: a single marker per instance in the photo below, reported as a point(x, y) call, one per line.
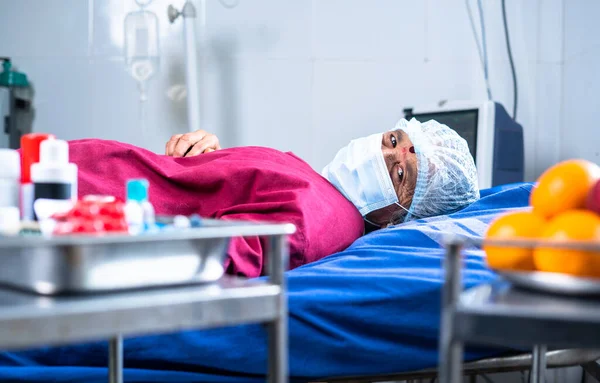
point(371, 309)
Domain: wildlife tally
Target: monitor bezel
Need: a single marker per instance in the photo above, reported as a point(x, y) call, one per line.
point(484, 151)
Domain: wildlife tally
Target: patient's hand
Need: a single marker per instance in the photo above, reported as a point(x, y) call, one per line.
point(192, 144)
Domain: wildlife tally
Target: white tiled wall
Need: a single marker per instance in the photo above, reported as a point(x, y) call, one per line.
point(308, 75)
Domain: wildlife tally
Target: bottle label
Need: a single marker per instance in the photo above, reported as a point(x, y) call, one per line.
point(52, 190)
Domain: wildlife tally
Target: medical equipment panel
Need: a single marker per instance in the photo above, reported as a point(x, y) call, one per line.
point(494, 138)
point(16, 105)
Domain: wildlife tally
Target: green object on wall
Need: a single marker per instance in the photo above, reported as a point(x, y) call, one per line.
point(10, 78)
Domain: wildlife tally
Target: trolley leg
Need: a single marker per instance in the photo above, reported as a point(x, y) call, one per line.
point(277, 329)
point(115, 360)
point(538, 367)
point(450, 353)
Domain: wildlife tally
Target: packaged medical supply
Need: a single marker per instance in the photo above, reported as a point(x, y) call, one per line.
point(54, 179)
point(181, 222)
point(10, 173)
point(92, 215)
point(99, 198)
point(45, 209)
point(30, 154)
point(138, 209)
point(10, 223)
point(195, 220)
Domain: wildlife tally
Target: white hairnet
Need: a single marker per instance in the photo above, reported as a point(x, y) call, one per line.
point(446, 175)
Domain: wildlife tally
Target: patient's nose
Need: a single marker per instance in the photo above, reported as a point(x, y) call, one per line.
point(389, 156)
point(394, 156)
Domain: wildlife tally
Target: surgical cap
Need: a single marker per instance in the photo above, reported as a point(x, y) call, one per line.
point(446, 175)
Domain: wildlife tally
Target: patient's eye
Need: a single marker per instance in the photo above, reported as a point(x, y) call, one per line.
point(393, 140)
point(400, 174)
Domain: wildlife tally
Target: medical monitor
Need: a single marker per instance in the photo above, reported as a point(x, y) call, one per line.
point(495, 140)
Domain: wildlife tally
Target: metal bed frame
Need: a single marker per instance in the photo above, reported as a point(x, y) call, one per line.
point(585, 358)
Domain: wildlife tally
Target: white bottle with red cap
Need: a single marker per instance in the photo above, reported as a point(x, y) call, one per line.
point(30, 154)
point(54, 179)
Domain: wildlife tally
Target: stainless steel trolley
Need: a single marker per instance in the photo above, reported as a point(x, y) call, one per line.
point(45, 317)
point(502, 314)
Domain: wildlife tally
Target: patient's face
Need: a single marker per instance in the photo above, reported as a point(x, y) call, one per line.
point(401, 161)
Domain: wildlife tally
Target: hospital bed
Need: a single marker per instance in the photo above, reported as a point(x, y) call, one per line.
point(369, 312)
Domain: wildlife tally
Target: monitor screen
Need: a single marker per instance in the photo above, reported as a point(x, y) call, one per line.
point(464, 122)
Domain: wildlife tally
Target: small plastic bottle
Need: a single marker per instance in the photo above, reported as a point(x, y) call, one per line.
point(10, 223)
point(10, 174)
point(138, 209)
point(195, 221)
point(30, 154)
point(54, 178)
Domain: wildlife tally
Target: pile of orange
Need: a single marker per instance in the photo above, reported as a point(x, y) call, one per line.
point(565, 207)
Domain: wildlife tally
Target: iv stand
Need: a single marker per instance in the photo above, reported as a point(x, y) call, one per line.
point(188, 12)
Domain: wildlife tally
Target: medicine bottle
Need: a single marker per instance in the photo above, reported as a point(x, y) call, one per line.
point(54, 178)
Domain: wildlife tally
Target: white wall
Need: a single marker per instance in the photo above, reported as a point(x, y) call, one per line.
point(581, 81)
point(308, 75)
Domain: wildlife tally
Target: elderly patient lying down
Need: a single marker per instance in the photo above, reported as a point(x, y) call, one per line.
point(414, 171)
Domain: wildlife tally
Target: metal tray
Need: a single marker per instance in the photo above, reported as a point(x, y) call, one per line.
point(554, 283)
point(88, 264)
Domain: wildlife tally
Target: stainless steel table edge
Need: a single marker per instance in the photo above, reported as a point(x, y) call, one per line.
point(80, 320)
point(522, 333)
point(205, 232)
point(277, 260)
point(450, 345)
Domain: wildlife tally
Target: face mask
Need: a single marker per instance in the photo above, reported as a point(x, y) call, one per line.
point(390, 223)
point(359, 172)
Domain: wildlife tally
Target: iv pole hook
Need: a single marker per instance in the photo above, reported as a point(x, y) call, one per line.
point(188, 12)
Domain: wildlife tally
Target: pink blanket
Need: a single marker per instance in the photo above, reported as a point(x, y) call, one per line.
point(246, 183)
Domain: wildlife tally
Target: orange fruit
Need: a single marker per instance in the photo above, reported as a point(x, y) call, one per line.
point(564, 186)
point(575, 225)
point(519, 225)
